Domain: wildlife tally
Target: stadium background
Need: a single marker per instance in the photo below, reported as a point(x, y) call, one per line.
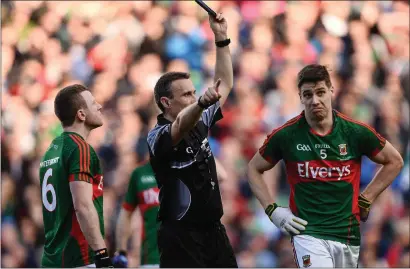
point(119, 49)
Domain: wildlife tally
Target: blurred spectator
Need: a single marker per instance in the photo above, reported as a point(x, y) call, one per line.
point(119, 50)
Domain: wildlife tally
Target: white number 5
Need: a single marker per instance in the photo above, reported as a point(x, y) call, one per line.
point(48, 188)
point(323, 154)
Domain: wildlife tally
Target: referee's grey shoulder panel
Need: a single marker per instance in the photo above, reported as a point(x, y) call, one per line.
point(209, 113)
point(155, 134)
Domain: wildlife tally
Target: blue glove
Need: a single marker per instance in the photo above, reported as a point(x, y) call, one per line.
point(120, 259)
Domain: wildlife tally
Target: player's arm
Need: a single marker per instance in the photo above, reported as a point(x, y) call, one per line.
point(82, 193)
point(256, 167)
point(123, 228)
point(222, 175)
point(81, 188)
point(223, 67)
point(392, 163)
point(382, 152)
point(265, 159)
point(123, 232)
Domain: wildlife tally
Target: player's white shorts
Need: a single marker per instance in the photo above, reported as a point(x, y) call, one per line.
point(315, 252)
point(88, 266)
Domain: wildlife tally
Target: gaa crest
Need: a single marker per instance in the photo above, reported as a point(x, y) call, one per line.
point(342, 149)
point(306, 261)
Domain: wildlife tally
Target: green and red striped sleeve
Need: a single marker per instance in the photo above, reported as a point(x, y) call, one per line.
point(271, 149)
point(79, 162)
point(131, 197)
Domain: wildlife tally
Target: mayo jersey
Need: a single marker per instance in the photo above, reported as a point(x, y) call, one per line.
point(68, 158)
point(143, 192)
point(324, 173)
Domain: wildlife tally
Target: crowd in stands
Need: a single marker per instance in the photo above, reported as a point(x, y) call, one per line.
point(120, 48)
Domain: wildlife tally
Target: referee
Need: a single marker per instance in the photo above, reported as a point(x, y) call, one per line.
point(190, 232)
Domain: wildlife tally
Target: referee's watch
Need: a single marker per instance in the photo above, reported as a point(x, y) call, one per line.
point(223, 43)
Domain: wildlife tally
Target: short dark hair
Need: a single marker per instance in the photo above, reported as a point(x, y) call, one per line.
point(314, 73)
point(68, 101)
point(163, 86)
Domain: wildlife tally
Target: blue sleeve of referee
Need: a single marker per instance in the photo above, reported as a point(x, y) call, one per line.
point(160, 140)
point(212, 114)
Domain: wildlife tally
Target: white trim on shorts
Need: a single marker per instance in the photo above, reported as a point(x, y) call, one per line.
point(88, 266)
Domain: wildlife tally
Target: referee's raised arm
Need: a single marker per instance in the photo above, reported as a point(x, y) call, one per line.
point(175, 93)
point(223, 67)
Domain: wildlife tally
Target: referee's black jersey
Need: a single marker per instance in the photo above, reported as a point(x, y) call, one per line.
point(186, 173)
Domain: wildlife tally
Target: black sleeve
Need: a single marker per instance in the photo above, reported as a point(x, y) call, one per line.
point(212, 114)
point(160, 140)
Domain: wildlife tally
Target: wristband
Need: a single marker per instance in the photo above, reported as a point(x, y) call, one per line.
point(101, 252)
point(223, 43)
point(270, 208)
point(102, 259)
point(201, 105)
point(364, 202)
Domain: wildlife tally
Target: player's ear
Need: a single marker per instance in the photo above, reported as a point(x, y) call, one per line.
point(165, 102)
point(81, 114)
point(300, 98)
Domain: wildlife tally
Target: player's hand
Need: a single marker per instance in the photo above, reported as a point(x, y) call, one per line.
point(212, 95)
point(120, 259)
point(102, 260)
point(219, 26)
point(284, 219)
point(364, 206)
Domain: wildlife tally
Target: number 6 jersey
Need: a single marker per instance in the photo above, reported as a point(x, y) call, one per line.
point(324, 173)
point(68, 158)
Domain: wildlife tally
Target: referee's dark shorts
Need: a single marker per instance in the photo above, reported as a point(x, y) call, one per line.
point(185, 246)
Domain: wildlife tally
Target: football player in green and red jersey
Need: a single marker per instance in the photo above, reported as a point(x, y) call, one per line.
point(142, 193)
point(72, 186)
point(322, 151)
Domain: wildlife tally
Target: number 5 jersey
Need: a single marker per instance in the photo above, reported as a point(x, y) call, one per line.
point(324, 173)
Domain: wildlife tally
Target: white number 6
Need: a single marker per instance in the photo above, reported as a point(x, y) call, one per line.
point(48, 188)
point(100, 186)
point(323, 154)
